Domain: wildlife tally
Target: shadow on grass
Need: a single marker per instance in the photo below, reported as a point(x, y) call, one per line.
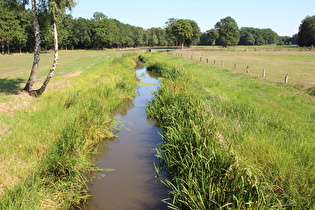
point(10, 86)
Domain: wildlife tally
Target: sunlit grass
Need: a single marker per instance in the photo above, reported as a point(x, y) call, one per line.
point(46, 145)
point(258, 133)
point(277, 61)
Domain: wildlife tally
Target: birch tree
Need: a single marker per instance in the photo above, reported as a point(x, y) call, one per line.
point(55, 10)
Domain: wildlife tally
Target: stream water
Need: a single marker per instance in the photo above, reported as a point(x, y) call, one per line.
point(132, 184)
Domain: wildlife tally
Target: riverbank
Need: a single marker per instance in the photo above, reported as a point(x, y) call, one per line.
point(231, 140)
point(46, 145)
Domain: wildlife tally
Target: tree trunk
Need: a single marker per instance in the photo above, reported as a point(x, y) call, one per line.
point(29, 85)
point(52, 69)
point(8, 47)
point(2, 46)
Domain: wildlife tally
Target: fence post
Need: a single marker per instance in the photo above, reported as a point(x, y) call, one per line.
point(191, 57)
point(247, 70)
point(286, 78)
point(214, 62)
point(200, 59)
point(264, 73)
point(207, 60)
point(235, 66)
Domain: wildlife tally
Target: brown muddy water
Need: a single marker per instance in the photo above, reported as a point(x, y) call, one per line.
point(133, 183)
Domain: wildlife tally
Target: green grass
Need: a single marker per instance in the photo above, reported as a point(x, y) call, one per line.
point(46, 144)
point(233, 141)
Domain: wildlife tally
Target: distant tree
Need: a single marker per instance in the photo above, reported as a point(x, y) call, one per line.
point(294, 39)
point(246, 37)
point(171, 39)
point(13, 23)
point(212, 36)
point(186, 32)
point(306, 35)
point(251, 36)
point(99, 16)
point(152, 37)
point(196, 34)
point(82, 33)
point(228, 30)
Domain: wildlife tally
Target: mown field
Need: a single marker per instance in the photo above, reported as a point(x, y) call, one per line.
point(231, 140)
point(298, 63)
point(46, 142)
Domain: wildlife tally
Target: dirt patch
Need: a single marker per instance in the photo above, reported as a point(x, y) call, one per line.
point(73, 74)
point(4, 108)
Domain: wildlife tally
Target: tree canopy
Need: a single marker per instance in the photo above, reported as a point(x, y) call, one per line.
point(306, 35)
point(228, 30)
point(186, 32)
point(256, 36)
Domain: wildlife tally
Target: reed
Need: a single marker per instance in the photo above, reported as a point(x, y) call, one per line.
point(233, 141)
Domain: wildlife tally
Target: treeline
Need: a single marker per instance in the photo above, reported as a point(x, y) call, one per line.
point(250, 36)
point(17, 35)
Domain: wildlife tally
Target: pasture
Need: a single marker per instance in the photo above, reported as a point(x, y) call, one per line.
point(298, 63)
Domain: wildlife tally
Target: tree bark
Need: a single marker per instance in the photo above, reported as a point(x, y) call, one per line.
point(2, 46)
point(8, 47)
point(29, 85)
point(52, 69)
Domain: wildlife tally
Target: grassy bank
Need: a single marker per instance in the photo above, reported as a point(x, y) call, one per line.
point(231, 140)
point(46, 144)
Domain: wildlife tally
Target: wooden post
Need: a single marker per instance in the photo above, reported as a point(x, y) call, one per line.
point(207, 60)
point(191, 57)
point(264, 73)
point(222, 64)
point(200, 59)
point(286, 78)
point(214, 62)
point(247, 70)
point(235, 66)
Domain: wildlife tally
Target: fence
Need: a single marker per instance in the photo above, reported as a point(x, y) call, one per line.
point(207, 61)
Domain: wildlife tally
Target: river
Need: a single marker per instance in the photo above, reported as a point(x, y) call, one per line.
point(132, 184)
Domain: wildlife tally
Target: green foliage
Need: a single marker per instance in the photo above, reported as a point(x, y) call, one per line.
point(228, 30)
point(13, 25)
point(306, 35)
point(209, 37)
point(185, 31)
point(251, 36)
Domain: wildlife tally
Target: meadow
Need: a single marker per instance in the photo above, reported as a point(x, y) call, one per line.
point(232, 140)
point(298, 63)
point(46, 143)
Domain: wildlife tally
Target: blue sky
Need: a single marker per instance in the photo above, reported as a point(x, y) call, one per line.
point(282, 16)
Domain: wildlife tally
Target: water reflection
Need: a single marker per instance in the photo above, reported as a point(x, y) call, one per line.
point(133, 184)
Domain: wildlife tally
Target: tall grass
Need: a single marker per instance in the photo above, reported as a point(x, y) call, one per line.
point(232, 141)
point(46, 154)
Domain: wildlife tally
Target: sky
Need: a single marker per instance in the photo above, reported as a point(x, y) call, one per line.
point(282, 16)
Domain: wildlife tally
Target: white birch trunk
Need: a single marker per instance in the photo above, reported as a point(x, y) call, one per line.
point(29, 85)
point(53, 67)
